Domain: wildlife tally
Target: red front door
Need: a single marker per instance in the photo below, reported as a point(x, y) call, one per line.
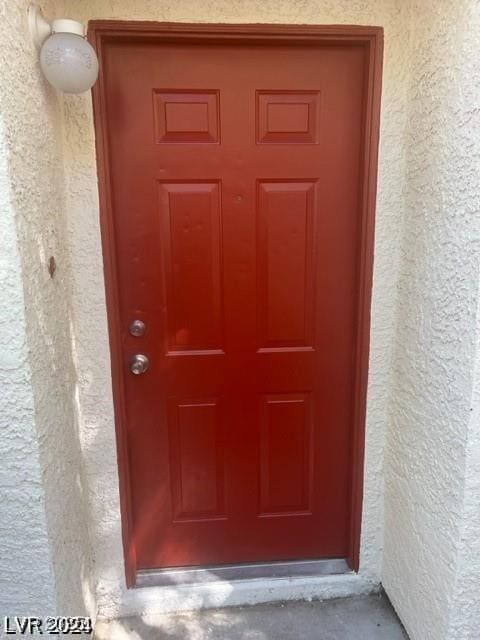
point(235, 178)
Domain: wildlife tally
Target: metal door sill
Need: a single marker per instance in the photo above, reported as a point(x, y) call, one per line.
point(222, 573)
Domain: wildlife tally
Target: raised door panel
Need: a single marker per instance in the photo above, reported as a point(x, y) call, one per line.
point(186, 116)
point(286, 454)
point(196, 459)
point(285, 263)
point(191, 247)
point(287, 117)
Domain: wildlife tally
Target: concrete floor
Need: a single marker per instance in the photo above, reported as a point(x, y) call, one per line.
point(359, 618)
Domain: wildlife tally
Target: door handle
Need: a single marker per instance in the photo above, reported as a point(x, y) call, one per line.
point(139, 364)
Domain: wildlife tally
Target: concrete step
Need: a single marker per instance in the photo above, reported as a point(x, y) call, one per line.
point(357, 618)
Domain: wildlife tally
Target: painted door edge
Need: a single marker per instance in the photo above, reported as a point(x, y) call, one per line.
point(101, 32)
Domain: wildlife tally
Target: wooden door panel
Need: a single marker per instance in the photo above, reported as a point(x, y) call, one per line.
point(197, 458)
point(285, 263)
point(286, 455)
point(236, 173)
point(191, 246)
point(287, 116)
point(186, 116)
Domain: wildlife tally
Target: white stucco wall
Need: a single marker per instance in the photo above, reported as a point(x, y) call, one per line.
point(44, 548)
point(432, 503)
point(24, 545)
point(92, 357)
point(464, 621)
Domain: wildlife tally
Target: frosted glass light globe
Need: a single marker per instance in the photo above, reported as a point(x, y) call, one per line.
point(69, 62)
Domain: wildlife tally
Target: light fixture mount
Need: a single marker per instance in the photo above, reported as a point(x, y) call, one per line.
point(39, 28)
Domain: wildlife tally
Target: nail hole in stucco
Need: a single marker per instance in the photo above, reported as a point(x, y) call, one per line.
point(52, 266)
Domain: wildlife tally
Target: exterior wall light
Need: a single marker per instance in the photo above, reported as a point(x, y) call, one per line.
point(67, 59)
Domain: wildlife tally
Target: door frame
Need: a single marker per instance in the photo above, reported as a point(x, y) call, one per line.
point(101, 32)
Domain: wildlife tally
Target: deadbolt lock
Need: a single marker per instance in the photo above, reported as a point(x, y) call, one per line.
point(137, 328)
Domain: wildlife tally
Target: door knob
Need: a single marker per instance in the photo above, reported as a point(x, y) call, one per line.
point(139, 364)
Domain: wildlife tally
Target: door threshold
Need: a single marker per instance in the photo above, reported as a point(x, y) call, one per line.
point(218, 573)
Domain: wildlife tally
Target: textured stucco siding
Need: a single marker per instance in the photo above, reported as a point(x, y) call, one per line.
point(464, 623)
point(44, 557)
point(98, 435)
point(431, 451)
point(26, 580)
